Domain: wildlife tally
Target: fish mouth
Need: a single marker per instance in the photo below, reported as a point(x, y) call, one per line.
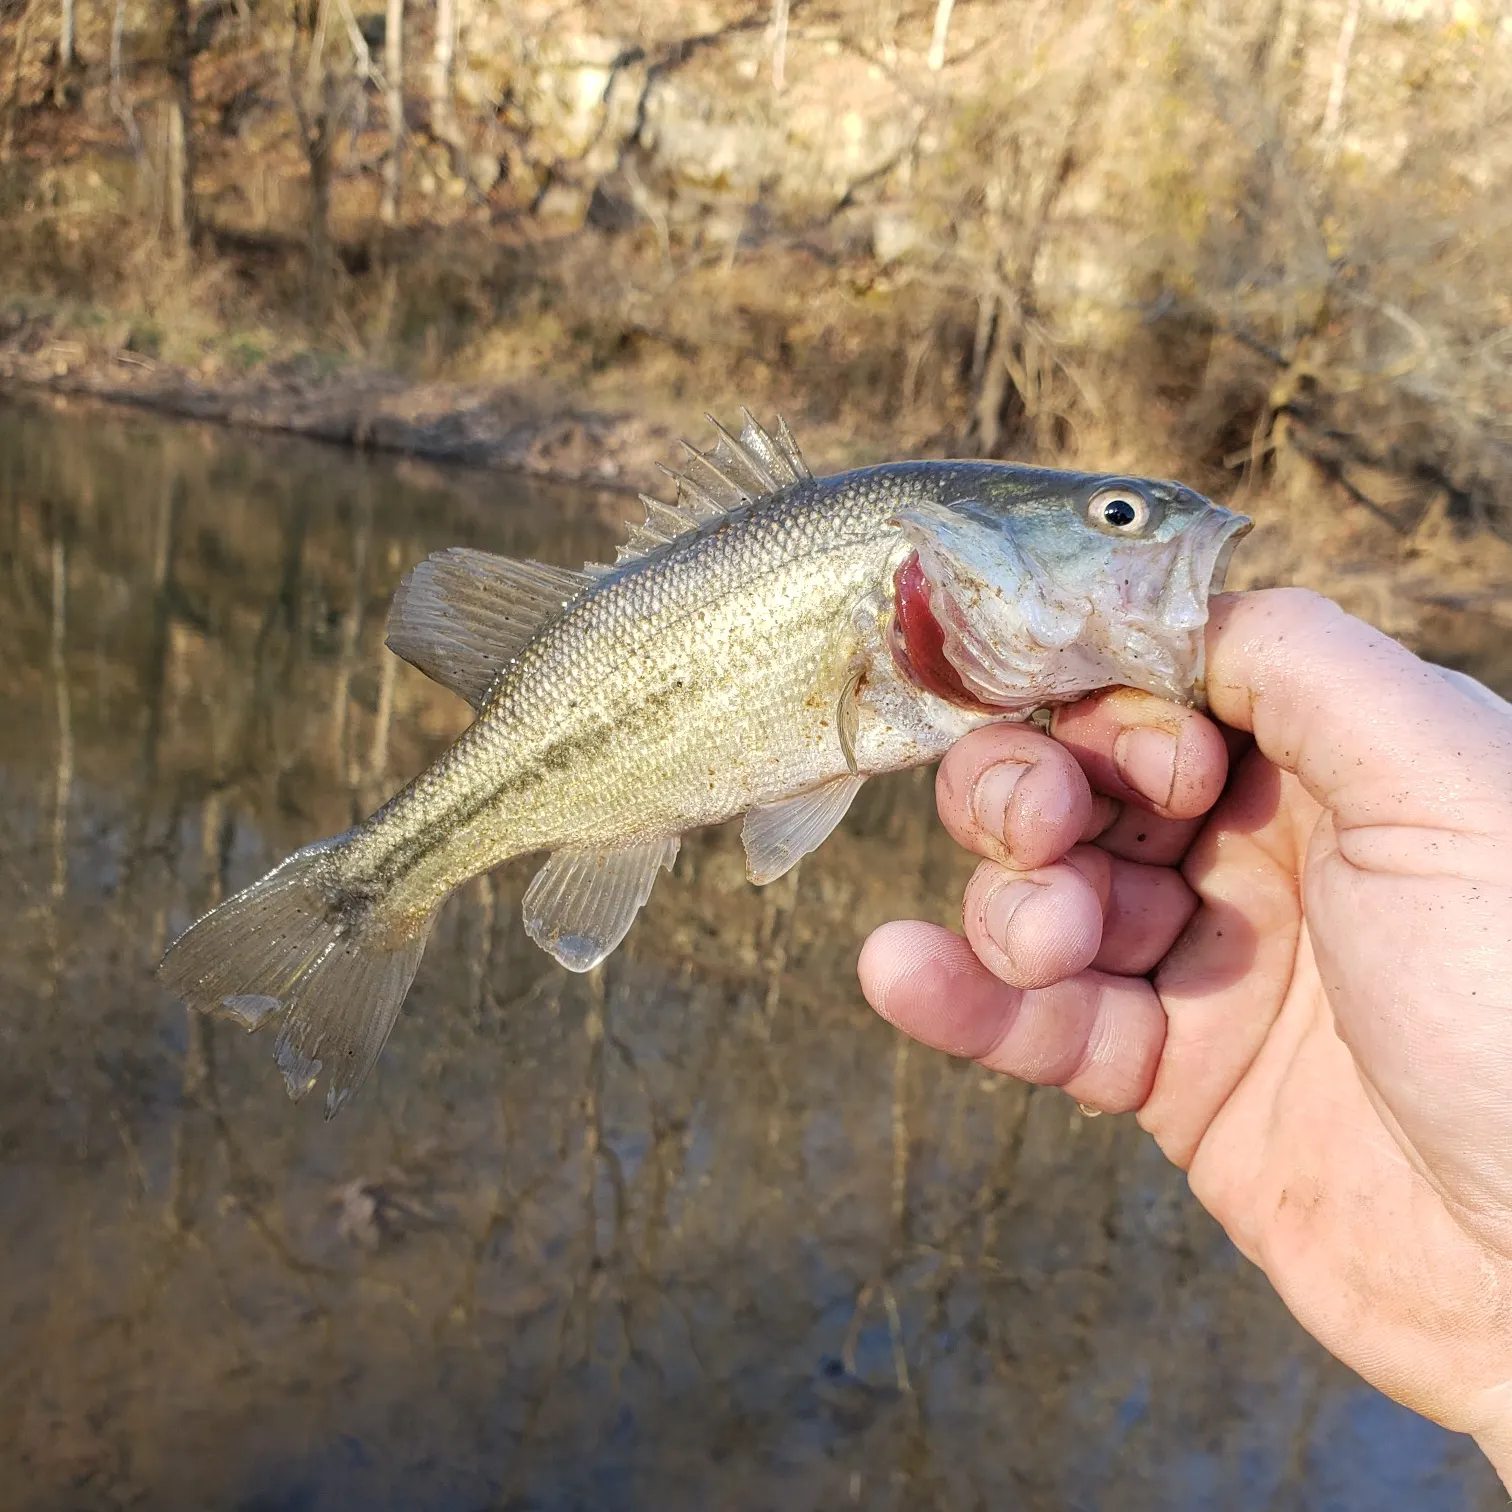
point(1216, 553)
point(1210, 564)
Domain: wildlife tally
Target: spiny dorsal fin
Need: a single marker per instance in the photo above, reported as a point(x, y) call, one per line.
point(738, 470)
point(780, 454)
point(662, 525)
point(462, 615)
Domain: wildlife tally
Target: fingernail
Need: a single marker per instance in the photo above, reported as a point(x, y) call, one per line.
point(1146, 760)
point(1001, 907)
point(991, 796)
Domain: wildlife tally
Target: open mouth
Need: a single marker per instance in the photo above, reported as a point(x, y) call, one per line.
point(1227, 533)
point(1210, 565)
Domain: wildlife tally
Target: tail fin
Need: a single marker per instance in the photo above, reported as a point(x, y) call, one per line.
point(293, 946)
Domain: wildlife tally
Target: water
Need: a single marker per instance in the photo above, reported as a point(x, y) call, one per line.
point(698, 1233)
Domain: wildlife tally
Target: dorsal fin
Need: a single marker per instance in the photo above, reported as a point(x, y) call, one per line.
point(662, 525)
point(737, 471)
point(462, 615)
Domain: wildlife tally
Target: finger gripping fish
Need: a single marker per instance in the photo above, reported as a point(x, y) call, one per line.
point(761, 647)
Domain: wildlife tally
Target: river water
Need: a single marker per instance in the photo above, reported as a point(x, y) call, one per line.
point(696, 1232)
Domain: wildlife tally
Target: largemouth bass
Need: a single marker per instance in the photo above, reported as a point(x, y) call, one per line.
point(762, 646)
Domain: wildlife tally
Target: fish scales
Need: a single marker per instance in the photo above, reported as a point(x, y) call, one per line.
point(720, 641)
point(792, 637)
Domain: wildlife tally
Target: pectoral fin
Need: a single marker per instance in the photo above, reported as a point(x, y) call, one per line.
point(581, 904)
point(778, 835)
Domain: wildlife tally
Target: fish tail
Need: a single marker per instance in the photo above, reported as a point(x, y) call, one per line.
point(301, 947)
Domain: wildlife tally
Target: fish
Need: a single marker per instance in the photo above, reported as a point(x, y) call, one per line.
point(764, 644)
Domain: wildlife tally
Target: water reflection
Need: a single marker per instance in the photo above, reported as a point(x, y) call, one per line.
point(695, 1232)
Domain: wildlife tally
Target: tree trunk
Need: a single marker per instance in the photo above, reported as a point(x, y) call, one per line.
point(120, 107)
point(1338, 85)
point(65, 53)
point(13, 96)
point(1283, 47)
point(444, 125)
point(313, 92)
point(318, 143)
point(779, 44)
point(941, 35)
point(183, 218)
point(393, 86)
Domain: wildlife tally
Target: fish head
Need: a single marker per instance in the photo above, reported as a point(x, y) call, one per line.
point(1038, 587)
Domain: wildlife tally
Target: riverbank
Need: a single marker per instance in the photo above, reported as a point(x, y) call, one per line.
point(606, 428)
point(1080, 236)
point(1427, 575)
point(540, 432)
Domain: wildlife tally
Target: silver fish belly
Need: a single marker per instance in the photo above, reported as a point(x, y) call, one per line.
point(763, 646)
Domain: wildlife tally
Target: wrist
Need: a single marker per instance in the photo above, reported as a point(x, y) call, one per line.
point(1495, 1443)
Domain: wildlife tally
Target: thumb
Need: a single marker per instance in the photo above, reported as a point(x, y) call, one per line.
point(1476, 690)
point(1378, 736)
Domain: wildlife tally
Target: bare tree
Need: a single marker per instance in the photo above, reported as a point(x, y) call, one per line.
point(1027, 152)
point(65, 52)
point(941, 34)
point(393, 89)
point(444, 125)
point(779, 44)
point(179, 169)
point(1338, 84)
point(322, 86)
point(1283, 47)
point(13, 97)
point(120, 107)
point(887, 30)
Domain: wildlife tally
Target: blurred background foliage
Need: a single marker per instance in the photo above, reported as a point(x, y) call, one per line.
point(703, 1231)
point(1233, 240)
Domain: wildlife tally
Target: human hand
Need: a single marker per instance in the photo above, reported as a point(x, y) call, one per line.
point(1288, 945)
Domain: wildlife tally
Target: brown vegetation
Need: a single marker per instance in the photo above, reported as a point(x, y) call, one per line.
point(1261, 247)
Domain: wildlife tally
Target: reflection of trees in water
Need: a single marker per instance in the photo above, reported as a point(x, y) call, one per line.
point(63, 760)
point(694, 1230)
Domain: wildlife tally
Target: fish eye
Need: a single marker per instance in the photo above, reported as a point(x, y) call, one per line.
point(1119, 510)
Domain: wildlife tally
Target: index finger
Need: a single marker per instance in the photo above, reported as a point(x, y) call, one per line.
point(1167, 759)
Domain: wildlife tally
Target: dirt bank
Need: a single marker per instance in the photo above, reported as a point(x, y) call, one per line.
point(1237, 251)
point(537, 432)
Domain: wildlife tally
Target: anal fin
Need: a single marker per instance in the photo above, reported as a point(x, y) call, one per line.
point(778, 835)
point(582, 903)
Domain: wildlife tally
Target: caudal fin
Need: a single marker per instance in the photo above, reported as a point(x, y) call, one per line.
point(295, 948)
